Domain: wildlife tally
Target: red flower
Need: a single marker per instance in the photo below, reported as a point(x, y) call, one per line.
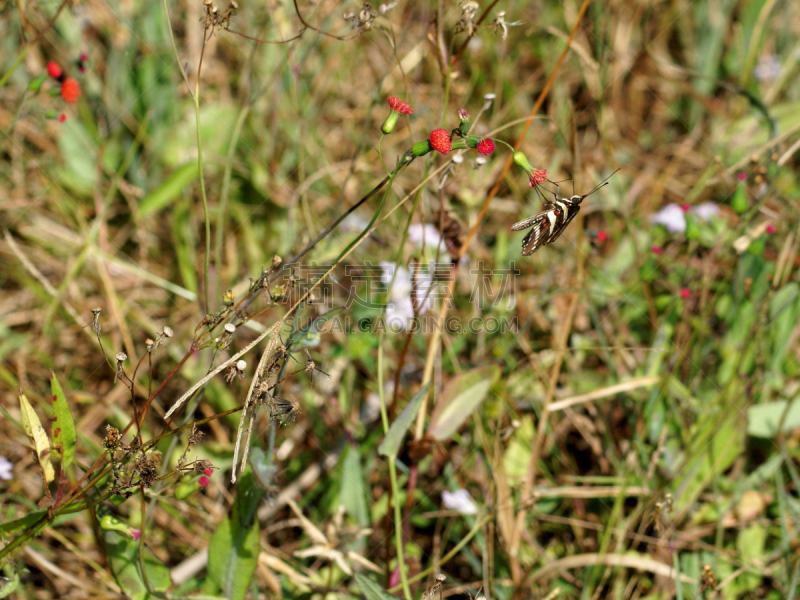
point(538, 176)
point(404, 108)
point(54, 70)
point(685, 293)
point(486, 146)
point(135, 533)
point(70, 90)
point(741, 175)
point(62, 117)
point(602, 236)
point(203, 481)
point(440, 140)
point(685, 207)
point(657, 250)
point(770, 229)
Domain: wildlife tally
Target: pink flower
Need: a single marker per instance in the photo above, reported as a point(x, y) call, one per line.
point(657, 250)
point(602, 236)
point(770, 229)
point(203, 481)
point(208, 472)
point(399, 106)
point(135, 533)
point(685, 293)
point(440, 141)
point(741, 175)
point(486, 146)
point(685, 207)
point(463, 114)
point(62, 117)
point(538, 176)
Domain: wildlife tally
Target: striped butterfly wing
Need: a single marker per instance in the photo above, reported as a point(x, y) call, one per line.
point(542, 224)
point(547, 225)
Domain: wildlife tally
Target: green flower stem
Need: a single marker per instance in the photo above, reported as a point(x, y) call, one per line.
point(196, 98)
point(398, 530)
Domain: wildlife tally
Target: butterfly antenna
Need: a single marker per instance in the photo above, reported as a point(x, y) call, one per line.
point(599, 185)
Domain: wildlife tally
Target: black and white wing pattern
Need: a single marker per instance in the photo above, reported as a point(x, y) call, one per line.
point(548, 225)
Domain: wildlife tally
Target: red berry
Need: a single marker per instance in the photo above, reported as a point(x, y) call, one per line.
point(440, 140)
point(486, 146)
point(54, 70)
point(70, 90)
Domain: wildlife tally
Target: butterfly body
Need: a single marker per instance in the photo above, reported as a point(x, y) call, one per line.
point(549, 224)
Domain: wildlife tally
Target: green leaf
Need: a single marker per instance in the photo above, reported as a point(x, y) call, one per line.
point(233, 551)
point(460, 398)
point(21, 523)
point(64, 436)
point(353, 492)
point(169, 190)
point(122, 552)
point(763, 419)
point(371, 590)
point(391, 445)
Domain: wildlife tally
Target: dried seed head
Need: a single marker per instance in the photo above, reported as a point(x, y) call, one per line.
point(96, 311)
point(236, 370)
point(441, 577)
point(111, 441)
point(121, 357)
point(149, 344)
point(277, 261)
point(230, 327)
point(203, 465)
point(147, 468)
point(168, 333)
point(283, 410)
point(195, 435)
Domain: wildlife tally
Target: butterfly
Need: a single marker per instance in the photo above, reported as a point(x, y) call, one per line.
point(549, 224)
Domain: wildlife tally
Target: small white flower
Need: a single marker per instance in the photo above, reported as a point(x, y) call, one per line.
point(671, 217)
point(354, 222)
point(5, 468)
point(400, 310)
point(768, 69)
point(460, 501)
point(424, 234)
point(706, 211)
